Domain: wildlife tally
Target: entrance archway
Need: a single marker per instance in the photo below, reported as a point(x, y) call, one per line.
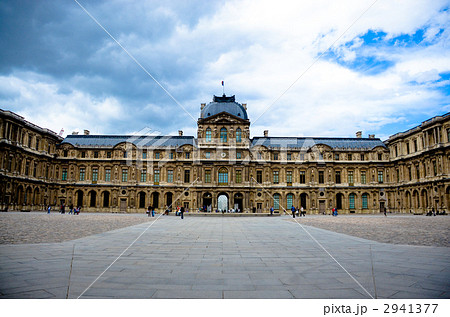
point(303, 199)
point(105, 199)
point(155, 200)
point(238, 202)
point(222, 202)
point(207, 202)
point(79, 195)
point(141, 200)
point(169, 198)
point(339, 201)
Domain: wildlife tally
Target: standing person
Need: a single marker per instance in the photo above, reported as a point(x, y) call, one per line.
point(182, 212)
point(332, 211)
point(384, 208)
point(293, 211)
point(148, 211)
point(71, 208)
point(301, 211)
point(48, 209)
point(153, 212)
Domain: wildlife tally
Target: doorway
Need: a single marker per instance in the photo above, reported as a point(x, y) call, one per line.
point(322, 206)
point(222, 202)
point(207, 202)
point(238, 205)
point(123, 205)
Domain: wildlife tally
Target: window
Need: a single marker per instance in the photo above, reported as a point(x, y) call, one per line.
point(82, 173)
point(302, 177)
point(398, 175)
point(144, 175)
point(108, 154)
point(259, 177)
point(107, 175)
point(363, 177)
point(207, 176)
point(170, 176)
point(415, 145)
point(34, 169)
point(275, 177)
point(29, 141)
point(380, 177)
point(410, 173)
point(223, 176)
point(407, 148)
point(238, 135)
point(351, 200)
point(95, 154)
point(223, 135)
point(338, 177)
point(380, 156)
point(417, 172)
point(64, 174)
point(289, 156)
point(336, 157)
point(275, 156)
point(144, 155)
point(321, 178)
point(156, 177)
point(124, 175)
point(289, 199)
point(276, 201)
point(37, 144)
point(434, 168)
point(365, 204)
point(83, 154)
point(208, 155)
point(396, 151)
point(349, 157)
point(157, 155)
point(187, 155)
point(363, 157)
point(27, 168)
point(187, 176)
point(448, 135)
point(302, 157)
point(238, 177)
point(94, 174)
point(350, 178)
point(259, 156)
point(238, 155)
point(208, 135)
point(289, 178)
point(124, 154)
point(171, 155)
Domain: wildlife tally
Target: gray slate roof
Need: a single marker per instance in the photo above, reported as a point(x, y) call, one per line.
point(142, 140)
point(306, 143)
point(224, 104)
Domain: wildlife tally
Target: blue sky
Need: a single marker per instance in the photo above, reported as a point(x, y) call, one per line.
point(304, 68)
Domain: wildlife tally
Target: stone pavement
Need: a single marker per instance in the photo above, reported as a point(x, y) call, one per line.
point(202, 257)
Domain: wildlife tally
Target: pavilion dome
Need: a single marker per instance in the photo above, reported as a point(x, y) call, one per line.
point(224, 104)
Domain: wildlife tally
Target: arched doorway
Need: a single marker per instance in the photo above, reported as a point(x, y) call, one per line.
point(27, 199)
point(169, 200)
point(416, 201)
point(93, 198)
point(408, 200)
point(155, 200)
point(36, 197)
point(303, 200)
point(222, 202)
point(276, 202)
point(339, 201)
point(207, 202)
point(424, 199)
point(79, 195)
point(141, 200)
point(238, 202)
point(105, 199)
point(19, 197)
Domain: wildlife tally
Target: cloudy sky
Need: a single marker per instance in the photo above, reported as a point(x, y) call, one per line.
point(305, 68)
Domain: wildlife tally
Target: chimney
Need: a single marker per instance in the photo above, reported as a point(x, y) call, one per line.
point(86, 132)
point(266, 133)
point(203, 105)
point(371, 136)
point(75, 133)
point(244, 105)
point(180, 132)
point(359, 134)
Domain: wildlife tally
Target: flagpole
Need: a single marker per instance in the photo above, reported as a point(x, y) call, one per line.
point(223, 88)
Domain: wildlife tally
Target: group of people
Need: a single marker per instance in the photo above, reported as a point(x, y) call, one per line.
point(295, 211)
point(62, 210)
point(334, 212)
point(433, 212)
point(150, 211)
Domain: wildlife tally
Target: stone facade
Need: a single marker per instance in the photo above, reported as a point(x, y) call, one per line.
point(223, 168)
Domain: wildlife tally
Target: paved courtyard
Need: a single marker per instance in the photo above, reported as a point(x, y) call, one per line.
point(218, 257)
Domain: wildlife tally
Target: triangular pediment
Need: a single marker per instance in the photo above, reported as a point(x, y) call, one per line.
point(223, 118)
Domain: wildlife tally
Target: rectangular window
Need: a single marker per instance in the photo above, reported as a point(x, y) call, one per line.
point(144, 175)
point(156, 177)
point(259, 177)
point(415, 145)
point(125, 154)
point(66, 153)
point(302, 157)
point(259, 156)
point(170, 176)
point(380, 156)
point(396, 151)
point(321, 178)
point(82, 173)
point(171, 155)
point(363, 177)
point(107, 175)
point(410, 173)
point(275, 177)
point(365, 204)
point(187, 155)
point(37, 144)
point(94, 174)
point(363, 157)
point(95, 154)
point(350, 178)
point(289, 178)
point(27, 168)
point(398, 175)
point(238, 177)
point(208, 155)
point(349, 157)
point(289, 156)
point(338, 177)
point(83, 154)
point(275, 156)
point(64, 174)
point(417, 172)
point(434, 168)
point(157, 156)
point(144, 155)
point(351, 200)
point(34, 169)
point(380, 177)
point(336, 157)
point(187, 176)
point(238, 155)
point(302, 177)
point(108, 154)
point(407, 148)
point(124, 175)
point(207, 176)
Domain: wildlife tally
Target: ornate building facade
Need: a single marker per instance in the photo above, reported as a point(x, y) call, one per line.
point(223, 168)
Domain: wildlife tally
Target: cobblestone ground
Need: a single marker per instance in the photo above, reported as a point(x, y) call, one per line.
point(395, 229)
point(40, 227)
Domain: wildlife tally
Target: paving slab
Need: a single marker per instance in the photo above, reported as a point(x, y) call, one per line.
point(218, 257)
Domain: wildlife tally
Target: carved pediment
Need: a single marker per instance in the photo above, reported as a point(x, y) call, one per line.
point(223, 118)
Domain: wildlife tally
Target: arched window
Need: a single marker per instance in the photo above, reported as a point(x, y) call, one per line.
point(289, 199)
point(223, 135)
point(223, 176)
point(276, 201)
point(351, 200)
point(208, 135)
point(238, 135)
point(365, 204)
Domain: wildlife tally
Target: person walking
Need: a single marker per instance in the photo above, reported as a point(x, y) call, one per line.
point(148, 211)
point(48, 209)
point(153, 212)
point(70, 209)
point(302, 212)
point(182, 212)
point(271, 211)
point(293, 211)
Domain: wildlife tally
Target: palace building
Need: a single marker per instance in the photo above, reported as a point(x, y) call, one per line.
point(222, 168)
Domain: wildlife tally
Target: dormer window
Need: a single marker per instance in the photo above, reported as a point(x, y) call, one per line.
point(238, 135)
point(223, 135)
point(208, 135)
